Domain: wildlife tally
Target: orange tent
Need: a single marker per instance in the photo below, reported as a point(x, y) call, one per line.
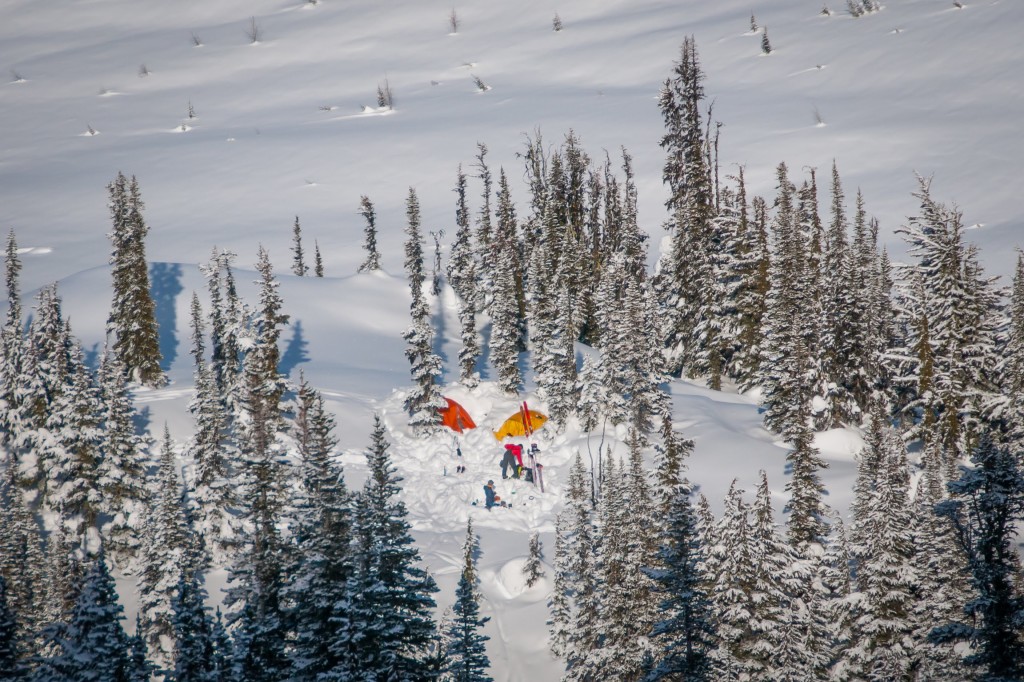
point(513, 426)
point(455, 417)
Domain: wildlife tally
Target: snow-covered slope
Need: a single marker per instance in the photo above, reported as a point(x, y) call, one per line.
point(280, 131)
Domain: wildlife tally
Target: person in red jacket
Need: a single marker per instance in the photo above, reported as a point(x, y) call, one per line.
point(513, 458)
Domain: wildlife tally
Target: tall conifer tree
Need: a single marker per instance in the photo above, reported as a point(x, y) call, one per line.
point(133, 314)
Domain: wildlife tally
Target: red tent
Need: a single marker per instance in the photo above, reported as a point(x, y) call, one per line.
point(455, 417)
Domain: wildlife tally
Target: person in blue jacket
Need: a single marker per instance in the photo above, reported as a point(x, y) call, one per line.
point(489, 495)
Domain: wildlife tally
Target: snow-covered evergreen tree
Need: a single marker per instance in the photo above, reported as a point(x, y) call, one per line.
point(192, 629)
point(132, 314)
point(122, 468)
point(807, 510)
point(986, 509)
point(372, 261)
point(71, 450)
point(211, 449)
point(947, 359)
point(579, 570)
point(883, 648)
point(462, 275)
point(424, 401)
point(299, 267)
point(507, 295)
point(466, 653)
point(165, 547)
point(12, 352)
point(685, 637)
point(391, 626)
point(11, 666)
point(318, 589)
point(22, 565)
point(670, 468)
point(686, 271)
point(486, 252)
point(533, 569)
point(786, 369)
point(91, 646)
point(944, 582)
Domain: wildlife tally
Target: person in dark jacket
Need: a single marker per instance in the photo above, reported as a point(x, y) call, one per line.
point(489, 495)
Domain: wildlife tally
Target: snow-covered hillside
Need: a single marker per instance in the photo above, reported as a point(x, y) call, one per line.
point(280, 129)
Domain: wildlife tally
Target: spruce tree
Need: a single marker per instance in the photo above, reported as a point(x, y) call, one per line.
point(10, 644)
point(391, 602)
point(140, 669)
point(467, 657)
point(318, 589)
point(533, 569)
point(318, 261)
point(372, 261)
point(484, 229)
point(729, 573)
point(786, 364)
point(12, 352)
point(166, 542)
point(192, 630)
point(299, 267)
point(946, 362)
point(507, 295)
point(579, 570)
point(687, 268)
point(462, 275)
point(122, 468)
point(685, 636)
point(986, 507)
point(132, 318)
point(212, 450)
point(807, 510)
point(425, 399)
point(883, 647)
point(92, 645)
point(72, 453)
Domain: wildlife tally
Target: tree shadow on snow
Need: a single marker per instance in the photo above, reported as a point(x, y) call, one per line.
point(295, 353)
point(439, 337)
point(483, 362)
point(164, 287)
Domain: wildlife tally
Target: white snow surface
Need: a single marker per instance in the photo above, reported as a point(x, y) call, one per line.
point(289, 127)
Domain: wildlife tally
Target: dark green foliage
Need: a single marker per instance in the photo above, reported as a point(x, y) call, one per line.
point(986, 507)
point(467, 657)
point(133, 314)
point(807, 510)
point(194, 647)
point(686, 634)
point(425, 398)
point(372, 261)
point(91, 646)
point(507, 296)
point(10, 664)
point(390, 622)
point(318, 590)
point(318, 261)
point(299, 266)
point(533, 569)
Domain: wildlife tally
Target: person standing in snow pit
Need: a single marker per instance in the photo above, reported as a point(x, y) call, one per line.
point(513, 458)
point(489, 495)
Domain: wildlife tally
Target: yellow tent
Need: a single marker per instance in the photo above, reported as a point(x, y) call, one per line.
point(513, 426)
